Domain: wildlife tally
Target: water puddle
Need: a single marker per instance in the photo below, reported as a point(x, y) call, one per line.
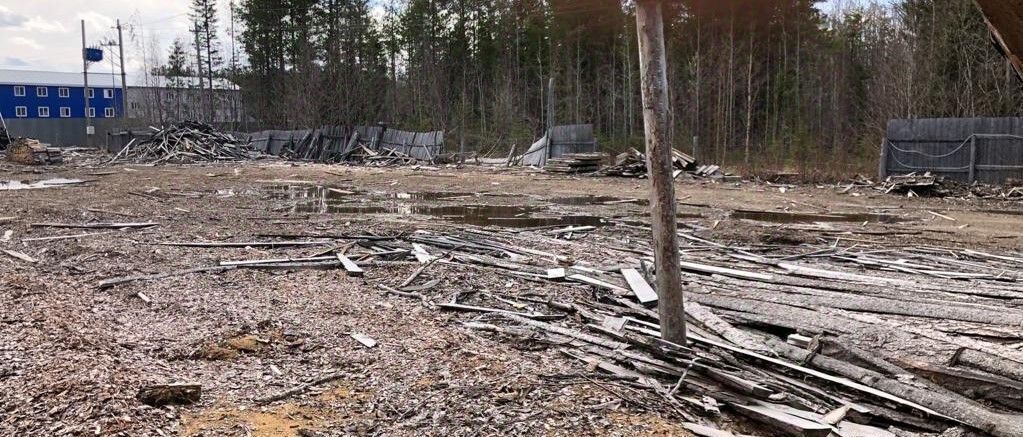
point(300, 192)
point(597, 200)
point(313, 199)
point(807, 218)
point(328, 193)
point(47, 183)
point(1002, 211)
point(430, 195)
point(509, 216)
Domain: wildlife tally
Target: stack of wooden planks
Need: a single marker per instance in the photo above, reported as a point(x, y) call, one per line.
point(575, 163)
point(29, 151)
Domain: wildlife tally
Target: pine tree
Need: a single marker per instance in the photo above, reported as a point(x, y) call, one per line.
point(204, 25)
point(177, 70)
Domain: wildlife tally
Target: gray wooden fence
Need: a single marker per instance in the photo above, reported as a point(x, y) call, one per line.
point(986, 150)
point(573, 138)
point(332, 143)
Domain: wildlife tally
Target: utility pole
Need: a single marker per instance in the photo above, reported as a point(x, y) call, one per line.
point(85, 91)
point(654, 83)
point(124, 77)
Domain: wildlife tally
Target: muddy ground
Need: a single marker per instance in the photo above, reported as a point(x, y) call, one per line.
point(73, 356)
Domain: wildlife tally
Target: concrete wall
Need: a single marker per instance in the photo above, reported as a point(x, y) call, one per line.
point(67, 132)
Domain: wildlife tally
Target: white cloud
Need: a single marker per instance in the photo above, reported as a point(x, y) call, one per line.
point(9, 18)
point(39, 24)
point(26, 42)
point(46, 34)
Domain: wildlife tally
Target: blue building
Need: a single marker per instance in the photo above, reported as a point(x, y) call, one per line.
point(44, 94)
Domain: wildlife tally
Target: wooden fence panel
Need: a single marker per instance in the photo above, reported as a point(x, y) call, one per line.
point(987, 150)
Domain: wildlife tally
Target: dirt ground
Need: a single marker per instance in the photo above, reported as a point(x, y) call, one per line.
point(73, 356)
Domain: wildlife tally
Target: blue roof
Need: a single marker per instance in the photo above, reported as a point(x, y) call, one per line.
point(54, 78)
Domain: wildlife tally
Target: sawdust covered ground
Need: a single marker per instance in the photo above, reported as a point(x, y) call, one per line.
point(73, 356)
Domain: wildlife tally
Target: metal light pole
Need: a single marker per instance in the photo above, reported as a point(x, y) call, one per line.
point(124, 80)
point(85, 92)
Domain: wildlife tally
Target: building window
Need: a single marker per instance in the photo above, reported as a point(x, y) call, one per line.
point(44, 111)
point(108, 112)
point(108, 94)
point(134, 106)
point(92, 112)
point(64, 92)
point(42, 91)
point(19, 91)
point(92, 93)
point(65, 112)
point(21, 111)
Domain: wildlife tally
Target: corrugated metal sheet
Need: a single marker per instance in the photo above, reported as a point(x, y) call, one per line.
point(983, 149)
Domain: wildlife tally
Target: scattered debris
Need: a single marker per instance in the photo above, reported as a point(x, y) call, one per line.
point(364, 339)
point(95, 225)
point(183, 143)
point(928, 185)
point(46, 183)
point(19, 255)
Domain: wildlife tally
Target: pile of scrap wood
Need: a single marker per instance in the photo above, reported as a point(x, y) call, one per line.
point(29, 151)
point(184, 143)
point(928, 185)
point(575, 163)
point(383, 158)
point(808, 340)
point(909, 183)
point(632, 164)
point(786, 341)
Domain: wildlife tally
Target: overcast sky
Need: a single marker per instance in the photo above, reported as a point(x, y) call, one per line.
point(46, 34)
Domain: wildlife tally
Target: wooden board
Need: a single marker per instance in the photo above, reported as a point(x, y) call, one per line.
point(639, 286)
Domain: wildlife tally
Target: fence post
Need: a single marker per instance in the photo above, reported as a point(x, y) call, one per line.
point(882, 167)
point(973, 158)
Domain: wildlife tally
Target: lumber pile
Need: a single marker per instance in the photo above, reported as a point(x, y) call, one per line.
point(29, 151)
point(575, 163)
point(185, 142)
point(632, 164)
point(383, 158)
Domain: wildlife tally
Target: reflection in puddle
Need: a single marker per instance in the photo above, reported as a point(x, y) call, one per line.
point(292, 192)
point(806, 218)
point(511, 216)
point(48, 183)
point(333, 200)
point(597, 200)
